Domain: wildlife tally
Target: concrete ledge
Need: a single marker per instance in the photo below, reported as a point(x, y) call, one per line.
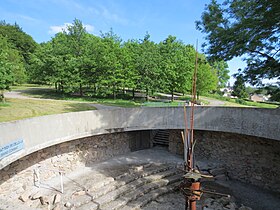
point(41, 132)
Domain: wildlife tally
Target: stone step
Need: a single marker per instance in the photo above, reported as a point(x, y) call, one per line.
point(89, 206)
point(161, 137)
point(153, 171)
point(159, 141)
point(149, 197)
point(165, 134)
point(140, 191)
point(124, 179)
point(133, 185)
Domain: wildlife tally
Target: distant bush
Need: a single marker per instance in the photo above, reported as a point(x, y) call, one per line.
point(240, 101)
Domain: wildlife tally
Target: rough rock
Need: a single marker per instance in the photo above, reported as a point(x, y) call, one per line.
point(45, 200)
point(221, 177)
point(24, 197)
point(217, 171)
point(56, 198)
point(68, 204)
point(35, 196)
point(57, 207)
point(245, 208)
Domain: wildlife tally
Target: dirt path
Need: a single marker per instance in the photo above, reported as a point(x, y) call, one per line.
point(18, 94)
point(213, 102)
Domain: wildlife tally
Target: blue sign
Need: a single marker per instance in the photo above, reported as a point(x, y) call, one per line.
point(11, 148)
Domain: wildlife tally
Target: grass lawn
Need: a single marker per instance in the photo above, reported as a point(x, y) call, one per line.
point(16, 109)
point(245, 103)
point(118, 102)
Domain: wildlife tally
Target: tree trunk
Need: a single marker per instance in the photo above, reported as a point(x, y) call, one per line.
point(61, 87)
point(2, 98)
point(94, 88)
point(114, 92)
point(147, 94)
point(172, 96)
point(133, 94)
point(81, 90)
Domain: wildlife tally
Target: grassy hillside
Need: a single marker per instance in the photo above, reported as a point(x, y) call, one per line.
point(16, 109)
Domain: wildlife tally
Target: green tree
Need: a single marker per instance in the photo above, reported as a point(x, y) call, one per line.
point(207, 78)
point(19, 40)
point(131, 75)
point(244, 27)
point(76, 43)
point(273, 90)
point(175, 65)
point(222, 70)
point(11, 66)
point(148, 66)
point(111, 65)
point(239, 88)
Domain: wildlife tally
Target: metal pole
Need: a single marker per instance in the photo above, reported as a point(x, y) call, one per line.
point(189, 137)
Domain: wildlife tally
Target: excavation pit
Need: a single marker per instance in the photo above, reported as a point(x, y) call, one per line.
point(146, 179)
point(239, 147)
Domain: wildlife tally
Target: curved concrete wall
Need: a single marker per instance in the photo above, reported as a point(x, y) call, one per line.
point(41, 132)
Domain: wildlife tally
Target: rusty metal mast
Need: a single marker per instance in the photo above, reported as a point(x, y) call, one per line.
point(189, 143)
point(190, 186)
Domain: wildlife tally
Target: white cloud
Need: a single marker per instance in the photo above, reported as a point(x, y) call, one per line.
point(57, 29)
point(112, 16)
point(89, 28)
point(28, 18)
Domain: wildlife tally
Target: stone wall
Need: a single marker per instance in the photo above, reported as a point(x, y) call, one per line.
point(19, 176)
point(175, 142)
point(249, 159)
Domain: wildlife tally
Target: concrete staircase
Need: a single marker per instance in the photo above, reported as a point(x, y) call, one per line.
point(131, 190)
point(161, 138)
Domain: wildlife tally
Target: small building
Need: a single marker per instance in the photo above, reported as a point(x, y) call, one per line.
point(259, 97)
point(226, 91)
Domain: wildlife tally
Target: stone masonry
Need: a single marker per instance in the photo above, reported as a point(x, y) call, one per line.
point(19, 176)
point(246, 158)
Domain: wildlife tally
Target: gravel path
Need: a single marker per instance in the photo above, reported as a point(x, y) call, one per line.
point(18, 95)
point(213, 102)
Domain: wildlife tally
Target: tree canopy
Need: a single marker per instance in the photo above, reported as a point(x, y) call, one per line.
point(244, 27)
point(11, 66)
point(239, 88)
point(75, 61)
point(18, 39)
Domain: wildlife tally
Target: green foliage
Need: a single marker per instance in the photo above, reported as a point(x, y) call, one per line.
point(207, 79)
point(274, 91)
point(221, 67)
point(250, 90)
point(11, 66)
point(239, 88)
point(240, 101)
point(148, 65)
point(244, 27)
point(77, 62)
point(176, 67)
point(22, 42)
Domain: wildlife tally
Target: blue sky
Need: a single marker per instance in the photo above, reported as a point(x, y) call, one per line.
point(130, 19)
